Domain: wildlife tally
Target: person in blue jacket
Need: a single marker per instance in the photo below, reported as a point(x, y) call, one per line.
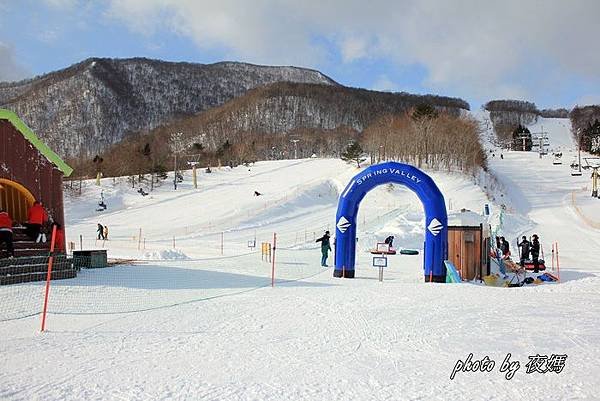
point(325, 248)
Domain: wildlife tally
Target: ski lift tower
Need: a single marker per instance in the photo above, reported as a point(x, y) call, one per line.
point(595, 177)
point(194, 161)
point(540, 142)
point(295, 142)
point(523, 138)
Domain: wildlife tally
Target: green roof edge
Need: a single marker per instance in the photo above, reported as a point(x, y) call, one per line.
point(35, 141)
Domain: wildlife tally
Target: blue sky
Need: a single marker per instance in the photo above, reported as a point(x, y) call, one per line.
point(542, 51)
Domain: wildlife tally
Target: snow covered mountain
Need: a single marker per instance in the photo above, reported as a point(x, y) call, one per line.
point(84, 108)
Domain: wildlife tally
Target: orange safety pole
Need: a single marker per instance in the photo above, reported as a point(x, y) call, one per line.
point(557, 263)
point(273, 261)
point(48, 277)
point(553, 256)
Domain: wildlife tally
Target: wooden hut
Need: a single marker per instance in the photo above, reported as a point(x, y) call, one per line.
point(468, 244)
point(29, 171)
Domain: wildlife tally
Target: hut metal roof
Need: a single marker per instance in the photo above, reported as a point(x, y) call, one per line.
point(35, 141)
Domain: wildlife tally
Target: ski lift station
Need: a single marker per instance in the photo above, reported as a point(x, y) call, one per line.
point(29, 171)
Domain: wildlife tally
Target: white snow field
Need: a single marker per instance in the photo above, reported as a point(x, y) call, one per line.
point(185, 322)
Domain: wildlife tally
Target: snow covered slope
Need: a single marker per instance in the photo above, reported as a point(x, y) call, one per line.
point(210, 327)
point(558, 130)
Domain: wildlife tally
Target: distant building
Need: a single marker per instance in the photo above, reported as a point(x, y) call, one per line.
point(29, 171)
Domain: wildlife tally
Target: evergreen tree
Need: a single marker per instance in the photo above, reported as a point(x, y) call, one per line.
point(521, 134)
point(354, 153)
point(424, 111)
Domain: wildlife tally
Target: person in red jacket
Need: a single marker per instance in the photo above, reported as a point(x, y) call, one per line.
point(36, 217)
point(6, 234)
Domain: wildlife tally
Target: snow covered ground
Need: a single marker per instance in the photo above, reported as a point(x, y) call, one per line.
point(187, 322)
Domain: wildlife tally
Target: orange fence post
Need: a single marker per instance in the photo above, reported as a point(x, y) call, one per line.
point(48, 277)
point(273, 260)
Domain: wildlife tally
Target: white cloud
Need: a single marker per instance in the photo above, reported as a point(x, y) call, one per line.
point(589, 99)
point(385, 84)
point(10, 69)
point(481, 47)
point(64, 4)
point(354, 48)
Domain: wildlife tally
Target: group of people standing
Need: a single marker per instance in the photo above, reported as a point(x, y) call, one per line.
point(38, 225)
point(527, 250)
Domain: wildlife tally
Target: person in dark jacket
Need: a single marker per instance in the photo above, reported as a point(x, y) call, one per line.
point(535, 253)
point(6, 234)
point(524, 246)
point(390, 241)
point(100, 231)
point(325, 248)
point(504, 247)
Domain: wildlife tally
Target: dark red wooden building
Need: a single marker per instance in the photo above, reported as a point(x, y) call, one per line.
point(29, 171)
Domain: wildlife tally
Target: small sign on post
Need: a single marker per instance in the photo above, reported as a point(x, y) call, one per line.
point(380, 262)
point(252, 244)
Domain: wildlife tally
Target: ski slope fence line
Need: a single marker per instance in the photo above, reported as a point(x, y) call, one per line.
point(230, 242)
point(580, 213)
point(138, 286)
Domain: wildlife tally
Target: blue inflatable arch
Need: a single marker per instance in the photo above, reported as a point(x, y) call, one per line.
point(436, 218)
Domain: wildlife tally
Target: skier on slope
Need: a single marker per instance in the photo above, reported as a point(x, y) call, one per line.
point(535, 253)
point(325, 248)
point(524, 246)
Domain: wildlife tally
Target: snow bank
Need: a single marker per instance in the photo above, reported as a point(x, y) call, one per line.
point(166, 254)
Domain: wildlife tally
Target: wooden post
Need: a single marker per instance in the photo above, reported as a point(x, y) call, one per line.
point(48, 277)
point(194, 175)
point(222, 241)
point(273, 260)
point(140, 239)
